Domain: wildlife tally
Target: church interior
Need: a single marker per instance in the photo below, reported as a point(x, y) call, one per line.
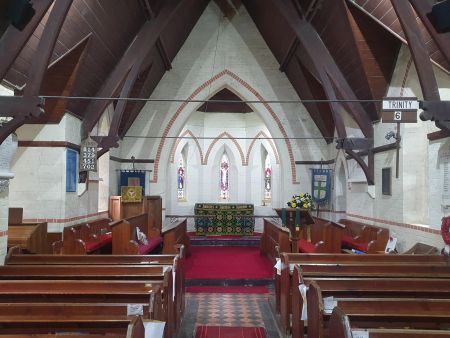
point(225, 168)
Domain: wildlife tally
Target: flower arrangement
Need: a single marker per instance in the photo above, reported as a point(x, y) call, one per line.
point(302, 201)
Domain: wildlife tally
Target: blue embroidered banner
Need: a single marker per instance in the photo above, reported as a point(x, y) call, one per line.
point(321, 185)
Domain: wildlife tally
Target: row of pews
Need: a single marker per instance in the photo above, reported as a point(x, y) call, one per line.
point(323, 236)
point(337, 295)
point(91, 295)
point(101, 236)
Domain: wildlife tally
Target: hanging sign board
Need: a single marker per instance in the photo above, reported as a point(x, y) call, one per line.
point(400, 109)
point(88, 155)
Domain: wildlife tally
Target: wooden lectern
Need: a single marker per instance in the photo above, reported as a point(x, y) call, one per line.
point(305, 220)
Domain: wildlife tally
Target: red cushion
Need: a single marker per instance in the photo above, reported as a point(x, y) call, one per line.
point(305, 246)
point(102, 241)
point(349, 242)
point(152, 244)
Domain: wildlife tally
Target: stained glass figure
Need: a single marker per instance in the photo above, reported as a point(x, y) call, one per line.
point(181, 180)
point(267, 179)
point(224, 177)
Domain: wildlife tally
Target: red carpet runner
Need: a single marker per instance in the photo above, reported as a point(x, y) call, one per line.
point(221, 262)
point(229, 332)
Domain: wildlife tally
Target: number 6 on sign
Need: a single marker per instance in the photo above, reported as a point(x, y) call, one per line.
point(398, 116)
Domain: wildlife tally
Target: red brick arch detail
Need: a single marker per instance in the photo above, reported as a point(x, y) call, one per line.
point(204, 86)
point(175, 146)
point(220, 137)
point(272, 145)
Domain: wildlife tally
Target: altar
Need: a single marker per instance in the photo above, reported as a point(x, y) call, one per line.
point(218, 219)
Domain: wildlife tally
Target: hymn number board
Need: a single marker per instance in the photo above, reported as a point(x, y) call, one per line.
point(88, 156)
point(399, 109)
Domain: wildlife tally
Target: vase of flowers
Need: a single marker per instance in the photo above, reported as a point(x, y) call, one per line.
point(302, 201)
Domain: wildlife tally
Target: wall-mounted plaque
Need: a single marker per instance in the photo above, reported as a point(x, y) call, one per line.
point(88, 155)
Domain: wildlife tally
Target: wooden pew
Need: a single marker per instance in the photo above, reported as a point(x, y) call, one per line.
point(175, 234)
point(341, 328)
point(85, 238)
point(416, 313)
point(24, 318)
point(274, 239)
point(177, 262)
point(366, 286)
point(102, 272)
point(124, 238)
point(135, 329)
point(288, 260)
point(364, 237)
point(87, 291)
point(30, 237)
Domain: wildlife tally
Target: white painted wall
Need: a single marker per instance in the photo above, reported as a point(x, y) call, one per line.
point(235, 52)
point(39, 186)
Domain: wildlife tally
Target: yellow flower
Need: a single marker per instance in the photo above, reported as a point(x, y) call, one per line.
point(294, 205)
point(292, 200)
point(301, 195)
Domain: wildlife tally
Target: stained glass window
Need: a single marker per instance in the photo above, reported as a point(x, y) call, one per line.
point(181, 179)
point(267, 179)
point(224, 177)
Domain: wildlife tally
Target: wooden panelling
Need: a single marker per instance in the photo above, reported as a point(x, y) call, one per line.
point(225, 95)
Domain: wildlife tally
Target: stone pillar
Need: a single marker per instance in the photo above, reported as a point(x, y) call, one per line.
point(7, 151)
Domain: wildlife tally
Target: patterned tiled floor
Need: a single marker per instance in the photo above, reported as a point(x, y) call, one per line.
point(227, 310)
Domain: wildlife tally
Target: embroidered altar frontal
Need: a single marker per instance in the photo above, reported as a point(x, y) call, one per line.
point(224, 219)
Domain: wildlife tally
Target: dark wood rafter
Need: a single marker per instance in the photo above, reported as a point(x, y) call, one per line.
point(367, 168)
point(11, 106)
point(40, 62)
point(13, 40)
point(310, 88)
point(419, 52)
point(163, 53)
point(59, 80)
point(111, 141)
point(313, 46)
point(10, 127)
point(226, 8)
point(424, 7)
point(50, 34)
point(138, 50)
point(135, 108)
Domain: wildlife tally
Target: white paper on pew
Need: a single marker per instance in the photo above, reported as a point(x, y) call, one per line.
point(360, 334)
point(329, 303)
point(135, 310)
point(154, 329)
point(447, 249)
point(303, 289)
point(173, 284)
point(278, 266)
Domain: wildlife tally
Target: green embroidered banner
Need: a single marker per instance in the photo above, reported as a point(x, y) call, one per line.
point(224, 219)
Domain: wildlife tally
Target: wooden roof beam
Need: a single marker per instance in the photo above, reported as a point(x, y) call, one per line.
point(40, 62)
point(226, 8)
point(138, 50)
point(13, 40)
point(45, 48)
point(59, 80)
point(422, 61)
point(318, 54)
point(423, 7)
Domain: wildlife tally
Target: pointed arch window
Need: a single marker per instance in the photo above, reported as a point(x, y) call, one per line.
point(181, 179)
point(267, 179)
point(224, 177)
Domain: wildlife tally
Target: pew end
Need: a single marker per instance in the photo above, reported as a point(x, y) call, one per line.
point(315, 310)
point(339, 324)
point(136, 328)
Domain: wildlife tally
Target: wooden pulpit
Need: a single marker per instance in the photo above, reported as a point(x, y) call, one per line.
point(304, 221)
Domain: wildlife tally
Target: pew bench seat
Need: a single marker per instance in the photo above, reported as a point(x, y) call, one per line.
point(153, 243)
point(99, 242)
point(349, 242)
point(306, 247)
